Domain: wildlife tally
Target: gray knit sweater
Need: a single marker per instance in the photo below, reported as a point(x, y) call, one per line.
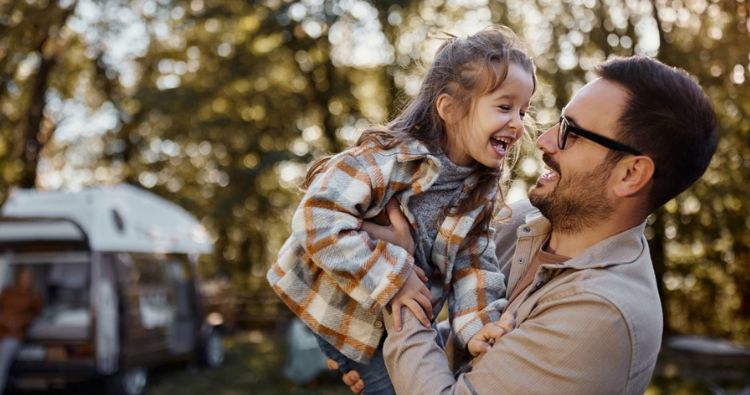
point(429, 210)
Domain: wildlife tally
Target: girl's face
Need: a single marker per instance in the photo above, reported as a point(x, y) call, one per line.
point(494, 123)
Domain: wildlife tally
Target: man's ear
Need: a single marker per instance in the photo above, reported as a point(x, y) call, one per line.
point(634, 175)
point(446, 107)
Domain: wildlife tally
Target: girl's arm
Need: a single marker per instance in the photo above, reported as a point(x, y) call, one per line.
point(328, 222)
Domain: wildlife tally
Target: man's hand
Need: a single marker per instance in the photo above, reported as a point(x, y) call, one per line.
point(483, 340)
point(350, 378)
point(414, 294)
point(397, 233)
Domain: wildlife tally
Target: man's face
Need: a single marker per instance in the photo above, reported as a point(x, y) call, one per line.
point(573, 191)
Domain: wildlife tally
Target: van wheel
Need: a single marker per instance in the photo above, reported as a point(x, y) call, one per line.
point(129, 382)
point(212, 354)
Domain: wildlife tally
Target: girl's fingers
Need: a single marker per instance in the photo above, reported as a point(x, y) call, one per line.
point(426, 292)
point(397, 218)
point(477, 347)
point(507, 322)
point(396, 310)
point(494, 331)
point(425, 303)
point(375, 231)
point(399, 225)
point(420, 273)
point(418, 312)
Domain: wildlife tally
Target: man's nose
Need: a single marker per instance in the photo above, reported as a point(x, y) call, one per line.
point(547, 141)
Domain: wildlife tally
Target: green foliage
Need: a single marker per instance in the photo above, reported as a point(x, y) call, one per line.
point(219, 105)
point(32, 41)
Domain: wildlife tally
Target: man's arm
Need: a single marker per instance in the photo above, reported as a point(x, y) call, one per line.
point(416, 364)
point(571, 344)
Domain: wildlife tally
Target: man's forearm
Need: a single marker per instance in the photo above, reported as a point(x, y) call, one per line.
point(416, 364)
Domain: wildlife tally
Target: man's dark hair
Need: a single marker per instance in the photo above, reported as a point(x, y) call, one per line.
point(668, 118)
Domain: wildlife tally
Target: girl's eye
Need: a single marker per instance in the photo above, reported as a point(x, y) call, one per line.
point(523, 114)
point(504, 107)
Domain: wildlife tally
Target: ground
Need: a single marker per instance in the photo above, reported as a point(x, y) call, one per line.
point(253, 364)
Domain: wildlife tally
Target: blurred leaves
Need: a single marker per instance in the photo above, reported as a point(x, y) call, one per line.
point(219, 105)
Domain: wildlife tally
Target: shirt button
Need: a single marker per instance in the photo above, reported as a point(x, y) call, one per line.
point(539, 284)
point(520, 260)
point(378, 324)
point(526, 229)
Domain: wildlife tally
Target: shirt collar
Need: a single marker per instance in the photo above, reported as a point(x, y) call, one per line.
point(622, 248)
point(413, 149)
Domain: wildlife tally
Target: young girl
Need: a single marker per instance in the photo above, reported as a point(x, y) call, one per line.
point(442, 160)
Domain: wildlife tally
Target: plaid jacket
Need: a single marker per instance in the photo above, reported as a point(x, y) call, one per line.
point(337, 279)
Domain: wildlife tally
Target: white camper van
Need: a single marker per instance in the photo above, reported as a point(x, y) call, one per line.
point(117, 270)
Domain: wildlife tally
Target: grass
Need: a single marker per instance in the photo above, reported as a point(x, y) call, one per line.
point(254, 362)
point(253, 365)
point(255, 358)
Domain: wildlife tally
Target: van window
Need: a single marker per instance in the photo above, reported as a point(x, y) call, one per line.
point(152, 290)
point(64, 287)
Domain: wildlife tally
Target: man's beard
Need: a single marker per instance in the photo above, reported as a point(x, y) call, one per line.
point(577, 201)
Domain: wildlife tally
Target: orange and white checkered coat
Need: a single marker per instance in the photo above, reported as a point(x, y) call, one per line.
point(337, 279)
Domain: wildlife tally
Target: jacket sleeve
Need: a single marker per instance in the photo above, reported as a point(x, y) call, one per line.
point(570, 345)
point(478, 288)
point(327, 224)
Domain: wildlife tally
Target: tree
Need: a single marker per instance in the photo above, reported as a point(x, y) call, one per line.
point(219, 105)
point(699, 240)
point(37, 35)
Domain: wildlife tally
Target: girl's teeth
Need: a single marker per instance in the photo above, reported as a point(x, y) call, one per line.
point(499, 147)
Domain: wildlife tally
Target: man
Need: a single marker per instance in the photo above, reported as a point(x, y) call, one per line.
point(580, 281)
point(19, 305)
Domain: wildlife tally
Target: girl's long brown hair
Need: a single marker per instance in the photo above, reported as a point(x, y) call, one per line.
point(464, 68)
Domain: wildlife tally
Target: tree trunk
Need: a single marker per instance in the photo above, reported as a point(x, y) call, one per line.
point(34, 134)
point(33, 143)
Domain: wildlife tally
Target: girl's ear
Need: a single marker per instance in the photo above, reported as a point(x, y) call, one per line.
point(446, 108)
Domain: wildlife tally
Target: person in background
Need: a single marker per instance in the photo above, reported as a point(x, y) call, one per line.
point(19, 305)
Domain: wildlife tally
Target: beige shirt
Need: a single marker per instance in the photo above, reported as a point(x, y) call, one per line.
point(591, 325)
point(541, 257)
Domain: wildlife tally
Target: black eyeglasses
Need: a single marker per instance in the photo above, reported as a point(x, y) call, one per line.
point(566, 129)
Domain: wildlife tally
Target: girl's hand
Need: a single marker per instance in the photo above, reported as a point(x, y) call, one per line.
point(397, 233)
point(415, 296)
point(483, 340)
